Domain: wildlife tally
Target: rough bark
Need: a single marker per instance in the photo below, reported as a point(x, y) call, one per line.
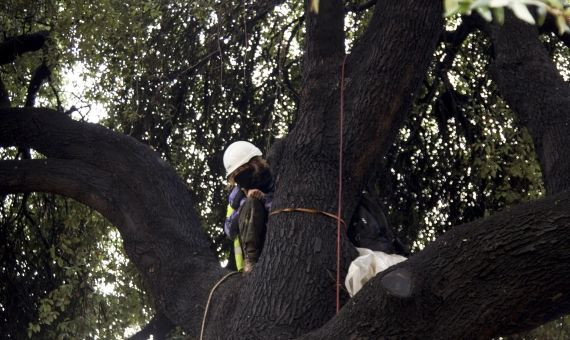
point(532, 86)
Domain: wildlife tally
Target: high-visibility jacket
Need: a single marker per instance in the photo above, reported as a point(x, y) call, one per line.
point(238, 252)
point(231, 228)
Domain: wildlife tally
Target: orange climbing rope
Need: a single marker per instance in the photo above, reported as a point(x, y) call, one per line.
point(309, 211)
point(339, 212)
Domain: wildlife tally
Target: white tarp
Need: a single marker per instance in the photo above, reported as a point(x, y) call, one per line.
point(366, 266)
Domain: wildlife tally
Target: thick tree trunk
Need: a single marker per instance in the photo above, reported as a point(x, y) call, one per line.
point(292, 289)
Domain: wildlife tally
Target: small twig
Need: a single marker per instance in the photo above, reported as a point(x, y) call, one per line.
point(41, 74)
point(55, 93)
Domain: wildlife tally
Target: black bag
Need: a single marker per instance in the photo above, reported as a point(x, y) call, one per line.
point(369, 228)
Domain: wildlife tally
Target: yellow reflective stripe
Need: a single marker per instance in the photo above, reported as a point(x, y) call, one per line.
point(237, 246)
point(229, 211)
point(238, 254)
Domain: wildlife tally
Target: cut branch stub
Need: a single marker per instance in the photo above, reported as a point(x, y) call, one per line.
point(398, 282)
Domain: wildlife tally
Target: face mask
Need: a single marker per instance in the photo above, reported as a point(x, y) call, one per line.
point(245, 178)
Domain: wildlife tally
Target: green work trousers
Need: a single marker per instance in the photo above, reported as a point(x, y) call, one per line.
point(252, 220)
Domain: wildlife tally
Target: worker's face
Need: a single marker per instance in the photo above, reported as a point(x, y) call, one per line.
point(245, 177)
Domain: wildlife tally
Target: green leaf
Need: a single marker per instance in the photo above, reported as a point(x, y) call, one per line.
point(480, 4)
point(465, 7)
point(498, 3)
point(522, 12)
point(314, 6)
point(485, 13)
point(499, 14)
point(541, 13)
point(561, 24)
point(534, 2)
point(555, 4)
point(451, 7)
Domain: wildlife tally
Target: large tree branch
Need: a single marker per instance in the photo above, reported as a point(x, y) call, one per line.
point(495, 276)
point(41, 74)
point(389, 62)
point(69, 178)
point(537, 93)
point(11, 48)
point(153, 210)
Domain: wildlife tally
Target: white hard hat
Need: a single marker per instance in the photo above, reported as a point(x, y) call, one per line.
point(239, 153)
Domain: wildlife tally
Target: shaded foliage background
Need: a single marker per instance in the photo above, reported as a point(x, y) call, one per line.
point(187, 78)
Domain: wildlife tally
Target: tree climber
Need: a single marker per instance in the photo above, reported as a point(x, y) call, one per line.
point(249, 201)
